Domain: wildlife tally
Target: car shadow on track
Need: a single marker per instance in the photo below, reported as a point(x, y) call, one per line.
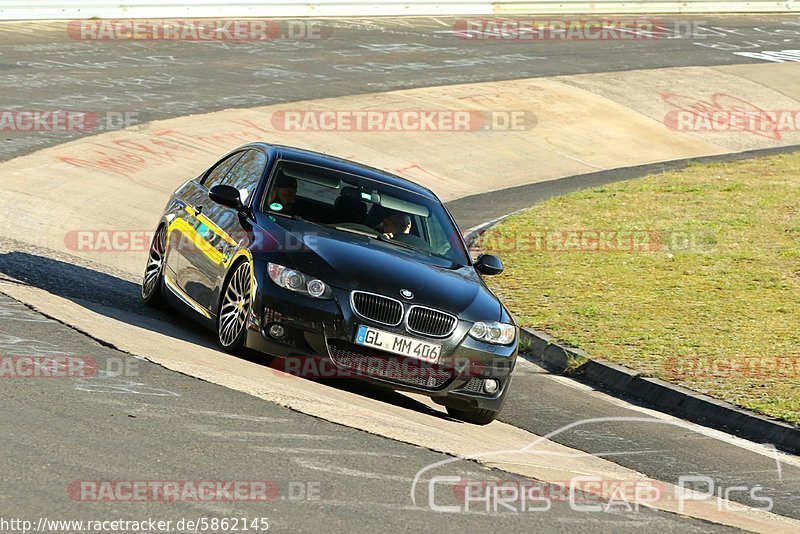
point(119, 299)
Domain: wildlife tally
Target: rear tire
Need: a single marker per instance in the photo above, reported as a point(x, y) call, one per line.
point(153, 279)
point(234, 309)
point(476, 416)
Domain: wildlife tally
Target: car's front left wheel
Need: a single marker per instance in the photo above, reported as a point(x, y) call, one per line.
point(476, 416)
point(235, 308)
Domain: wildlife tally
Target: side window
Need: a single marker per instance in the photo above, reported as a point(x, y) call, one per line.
point(216, 175)
point(247, 172)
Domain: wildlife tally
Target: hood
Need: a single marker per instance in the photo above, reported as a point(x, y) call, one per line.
point(350, 261)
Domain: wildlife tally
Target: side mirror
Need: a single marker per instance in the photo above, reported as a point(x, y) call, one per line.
point(488, 264)
point(227, 196)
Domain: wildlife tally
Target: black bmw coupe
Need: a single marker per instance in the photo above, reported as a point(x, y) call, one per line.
point(301, 255)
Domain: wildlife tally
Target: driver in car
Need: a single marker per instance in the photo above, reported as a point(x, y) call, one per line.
point(284, 193)
point(395, 224)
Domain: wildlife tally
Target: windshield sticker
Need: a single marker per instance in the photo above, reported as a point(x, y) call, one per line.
point(276, 206)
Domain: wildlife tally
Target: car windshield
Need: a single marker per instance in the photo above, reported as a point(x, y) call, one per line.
point(356, 204)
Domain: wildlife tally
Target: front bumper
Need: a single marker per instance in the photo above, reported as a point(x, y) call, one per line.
point(318, 342)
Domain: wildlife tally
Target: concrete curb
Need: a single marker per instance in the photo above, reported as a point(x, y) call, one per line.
point(664, 396)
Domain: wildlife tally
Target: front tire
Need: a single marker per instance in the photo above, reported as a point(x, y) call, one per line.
point(153, 279)
point(235, 309)
point(476, 416)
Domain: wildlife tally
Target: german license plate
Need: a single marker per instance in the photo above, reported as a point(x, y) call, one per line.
point(406, 346)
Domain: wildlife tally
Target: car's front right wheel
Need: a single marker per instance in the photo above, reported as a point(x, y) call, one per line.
point(235, 309)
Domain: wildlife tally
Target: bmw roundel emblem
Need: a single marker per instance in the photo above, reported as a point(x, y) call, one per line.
point(406, 294)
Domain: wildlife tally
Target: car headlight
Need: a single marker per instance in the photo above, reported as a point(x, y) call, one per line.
point(298, 282)
point(493, 332)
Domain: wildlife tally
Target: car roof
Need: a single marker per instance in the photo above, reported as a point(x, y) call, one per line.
point(340, 164)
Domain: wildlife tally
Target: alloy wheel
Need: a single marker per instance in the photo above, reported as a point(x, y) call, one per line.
point(235, 306)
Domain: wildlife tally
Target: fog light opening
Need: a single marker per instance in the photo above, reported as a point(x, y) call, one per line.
point(277, 331)
point(490, 386)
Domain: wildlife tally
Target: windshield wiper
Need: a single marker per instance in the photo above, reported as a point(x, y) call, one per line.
point(301, 219)
point(351, 231)
point(382, 237)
